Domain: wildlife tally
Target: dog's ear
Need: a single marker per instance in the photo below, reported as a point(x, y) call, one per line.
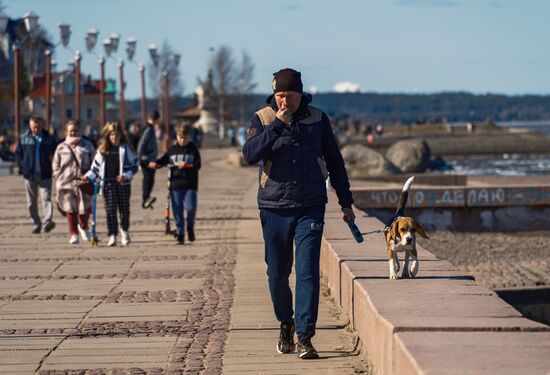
point(420, 230)
point(393, 229)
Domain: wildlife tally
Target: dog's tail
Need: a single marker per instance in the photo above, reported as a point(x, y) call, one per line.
point(404, 196)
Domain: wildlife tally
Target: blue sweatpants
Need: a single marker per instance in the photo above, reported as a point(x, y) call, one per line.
point(281, 228)
point(184, 199)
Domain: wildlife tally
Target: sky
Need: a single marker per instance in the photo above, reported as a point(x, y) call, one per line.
point(385, 46)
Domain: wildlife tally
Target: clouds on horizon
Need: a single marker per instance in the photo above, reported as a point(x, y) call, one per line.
point(346, 86)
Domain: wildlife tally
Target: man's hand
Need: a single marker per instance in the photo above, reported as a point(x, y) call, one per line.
point(120, 179)
point(181, 165)
point(152, 165)
point(284, 115)
point(348, 213)
point(84, 179)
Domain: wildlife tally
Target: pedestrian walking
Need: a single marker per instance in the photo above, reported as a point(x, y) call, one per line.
point(197, 135)
point(232, 137)
point(34, 155)
point(134, 134)
point(72, 158)
point(294, 145)
point(148, 153)
point(184, 160)
point(114, 165)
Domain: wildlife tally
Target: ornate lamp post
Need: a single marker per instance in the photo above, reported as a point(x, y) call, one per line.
point(130, 51)
point(111, 45)
point(31, 23)
point(91, 41)
point(165, 91)
point(65, 32)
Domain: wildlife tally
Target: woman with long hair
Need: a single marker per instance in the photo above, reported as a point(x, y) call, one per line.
point(72, 158)
point(114, 165)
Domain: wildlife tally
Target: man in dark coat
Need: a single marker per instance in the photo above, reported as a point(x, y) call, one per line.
point(147, 154)
point(296, 150)
point(34, 154)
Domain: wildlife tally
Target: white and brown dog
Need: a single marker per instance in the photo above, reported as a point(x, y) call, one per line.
point(401, 237)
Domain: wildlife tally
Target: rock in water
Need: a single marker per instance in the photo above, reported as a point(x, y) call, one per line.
point(364, 162)
point(410, 156)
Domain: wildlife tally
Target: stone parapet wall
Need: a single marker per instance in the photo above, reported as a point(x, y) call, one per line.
point(442, 321)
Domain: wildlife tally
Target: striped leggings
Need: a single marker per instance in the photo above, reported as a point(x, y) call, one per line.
point(117, 198)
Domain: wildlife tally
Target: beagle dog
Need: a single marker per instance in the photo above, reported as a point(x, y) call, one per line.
point(401, 237)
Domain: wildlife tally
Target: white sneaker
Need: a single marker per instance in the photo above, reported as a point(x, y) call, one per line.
point(112, 240)
point(125, 237)
point(74, 239)
point(84, 234)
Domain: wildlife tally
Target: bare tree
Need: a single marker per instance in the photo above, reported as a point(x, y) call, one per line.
point(222, 66)
point(34, 52)
point(245, 83)
point(166, 62)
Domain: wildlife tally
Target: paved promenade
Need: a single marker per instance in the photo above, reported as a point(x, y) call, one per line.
point(152, 307)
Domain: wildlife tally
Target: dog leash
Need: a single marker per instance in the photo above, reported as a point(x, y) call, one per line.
point(386, 228)
point(374, 231)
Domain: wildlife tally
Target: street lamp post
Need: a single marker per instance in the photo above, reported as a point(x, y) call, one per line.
point(111, 45)
point(102, 119)
point(166, 112)
point(63, 108)
point(77, 60)
point(122, 103)
point(130, 51)
point(165, 89)
point(91, 40)
point(48, 88)
point(65, 32)
point(31, 22)
point(143, 95)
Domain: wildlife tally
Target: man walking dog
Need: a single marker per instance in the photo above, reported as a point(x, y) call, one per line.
point(296, 150)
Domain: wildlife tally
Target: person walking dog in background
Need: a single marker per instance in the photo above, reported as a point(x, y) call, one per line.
point(71, 160)
point(34, 155)
point(294, 145)
point(148, 153)
point(184, 161)
point(115, 165)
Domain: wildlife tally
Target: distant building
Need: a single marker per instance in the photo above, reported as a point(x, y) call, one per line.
point(32, 53)
point(89, 99)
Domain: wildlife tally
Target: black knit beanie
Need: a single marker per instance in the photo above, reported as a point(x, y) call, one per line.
point(287, 80)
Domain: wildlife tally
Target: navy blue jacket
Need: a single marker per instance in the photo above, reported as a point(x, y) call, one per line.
point(24, 154)
point(147, 146)
point(295, 159)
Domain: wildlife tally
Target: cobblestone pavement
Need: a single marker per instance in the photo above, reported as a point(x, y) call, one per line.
point(149, 308)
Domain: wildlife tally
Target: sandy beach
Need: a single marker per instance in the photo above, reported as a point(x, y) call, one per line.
point(496, 260)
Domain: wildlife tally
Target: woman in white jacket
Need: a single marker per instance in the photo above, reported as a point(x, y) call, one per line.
point(114, 165)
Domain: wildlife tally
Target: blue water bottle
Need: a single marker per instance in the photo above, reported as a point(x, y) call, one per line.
point(354, 229)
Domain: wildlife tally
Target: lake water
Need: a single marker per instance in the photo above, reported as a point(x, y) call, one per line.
point(509, 165)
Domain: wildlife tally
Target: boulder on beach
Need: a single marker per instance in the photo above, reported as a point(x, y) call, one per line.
point(410, 156)
point(364, 162)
